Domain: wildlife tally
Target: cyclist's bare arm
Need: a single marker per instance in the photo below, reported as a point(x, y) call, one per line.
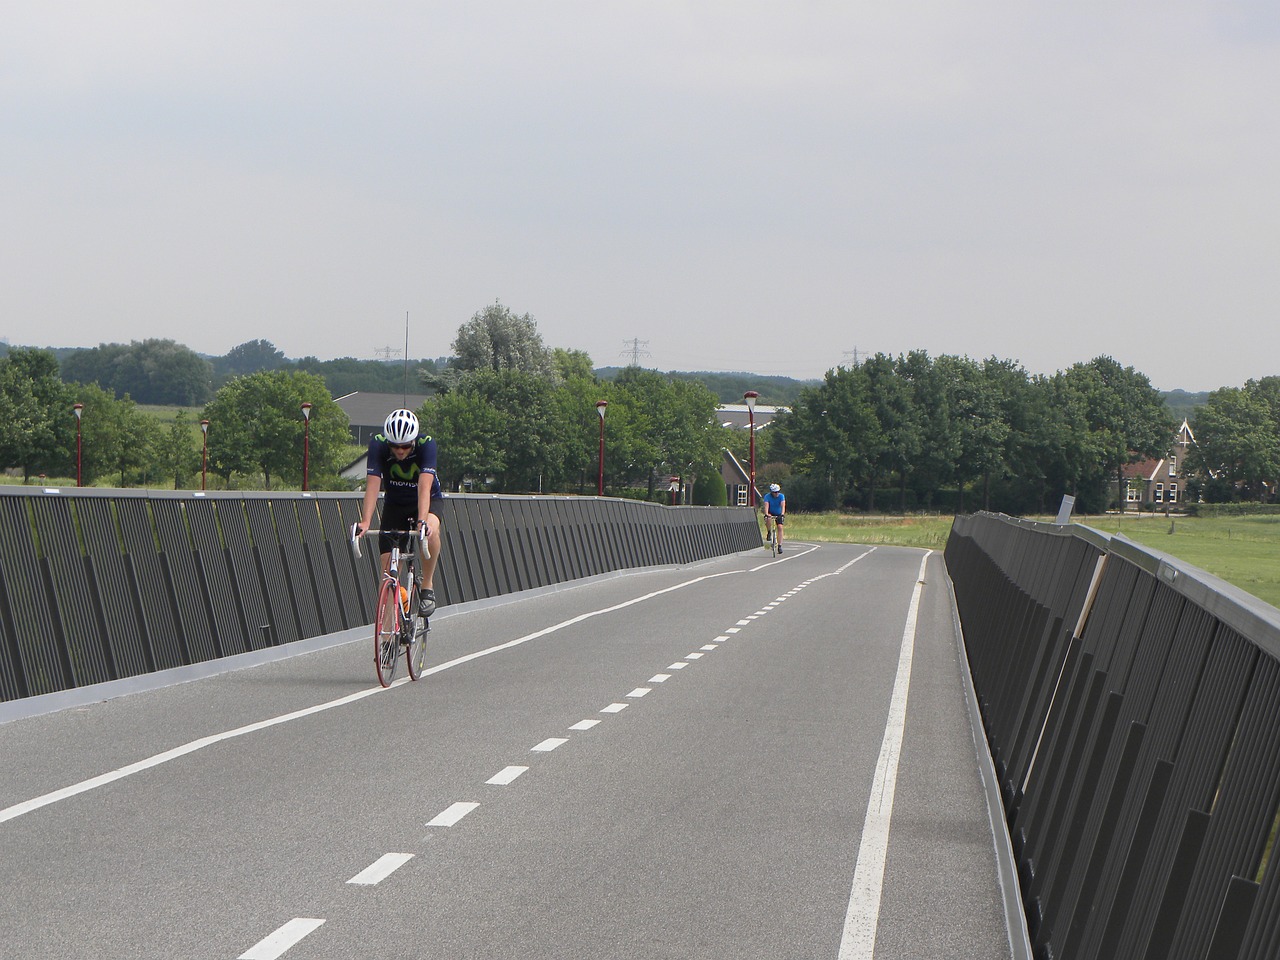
point(373, 485)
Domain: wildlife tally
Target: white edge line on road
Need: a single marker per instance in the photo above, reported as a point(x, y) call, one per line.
point(380, 869)
point(275, 944)
point(451, 814)
point(858, 941)
point(64, 793)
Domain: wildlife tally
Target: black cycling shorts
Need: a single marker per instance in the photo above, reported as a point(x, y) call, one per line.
point(400, 516)
point(779, 517)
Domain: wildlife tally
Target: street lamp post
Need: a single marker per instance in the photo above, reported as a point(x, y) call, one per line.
point(750, 397)
point(306, 442)
point(78, 410)
point(600, 405)
point(204, 454)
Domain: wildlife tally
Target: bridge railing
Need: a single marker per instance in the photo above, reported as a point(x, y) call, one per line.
point(1132, 708)
point(100, 585)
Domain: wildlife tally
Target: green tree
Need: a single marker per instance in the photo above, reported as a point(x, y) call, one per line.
point(118, 439)
point(151, 371)
point(1126, 420)
point(252, 356)
point(496, 339)
point(256, 427)
point(180, 454)
point(1239, 439)
point(37, 426)
point(470, 435)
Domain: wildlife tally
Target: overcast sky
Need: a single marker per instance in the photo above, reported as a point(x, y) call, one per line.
point(767, 187)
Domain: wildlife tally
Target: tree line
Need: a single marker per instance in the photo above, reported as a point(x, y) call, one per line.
point(512, 415)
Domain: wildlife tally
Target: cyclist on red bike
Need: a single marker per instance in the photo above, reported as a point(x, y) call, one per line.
point(403, 463)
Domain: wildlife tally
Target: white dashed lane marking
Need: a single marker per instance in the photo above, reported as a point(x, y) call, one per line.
point(506, 775)
point(695, 656)
point(452, 814)
point(274, 945)
point(549, 744)
point(660, 678)
point(640, 692)
point(584, 724)
point(677, 666)
point(381, 868)
point(614, 708)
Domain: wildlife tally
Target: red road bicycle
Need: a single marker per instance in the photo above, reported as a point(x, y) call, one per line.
point(396, 623)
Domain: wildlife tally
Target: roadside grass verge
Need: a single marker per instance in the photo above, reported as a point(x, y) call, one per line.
point(1244, 551)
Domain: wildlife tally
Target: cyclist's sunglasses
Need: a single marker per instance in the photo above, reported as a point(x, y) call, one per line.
point(401, 446)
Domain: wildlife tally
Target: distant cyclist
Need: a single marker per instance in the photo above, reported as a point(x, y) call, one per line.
point(775, 509)
point(404, 464)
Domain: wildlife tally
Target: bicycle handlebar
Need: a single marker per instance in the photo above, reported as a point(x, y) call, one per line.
point(420, 533)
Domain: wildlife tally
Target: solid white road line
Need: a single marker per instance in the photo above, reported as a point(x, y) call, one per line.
point(858, 941)
point(381, 868)
point(451, 814)
point(506, 775)
point(549, 744)
point(273, 946)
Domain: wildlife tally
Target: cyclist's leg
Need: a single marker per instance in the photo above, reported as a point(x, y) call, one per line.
point(428, 566)
point(778, 524)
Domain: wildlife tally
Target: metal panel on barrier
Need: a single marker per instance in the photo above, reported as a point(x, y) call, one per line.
point(114, 587)
point(242, 568)
point(76, 608)
point(192, 597)
point(319, 569)
point(274, 570)
point(348, 578)
point(506, 515)
point(306, 601)
point(222, 599)
point(151, 581)
point(28, 605)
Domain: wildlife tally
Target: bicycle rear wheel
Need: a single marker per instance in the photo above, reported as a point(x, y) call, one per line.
point(386, 633)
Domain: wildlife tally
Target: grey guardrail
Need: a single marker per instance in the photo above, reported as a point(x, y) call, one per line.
point(1131, 704)
point(100, 585)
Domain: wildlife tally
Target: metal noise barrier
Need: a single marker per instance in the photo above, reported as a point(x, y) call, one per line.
point(1131, 704)
point(99, 585)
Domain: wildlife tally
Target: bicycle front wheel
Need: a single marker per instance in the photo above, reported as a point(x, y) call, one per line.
point(416, 652)
point(386, 633)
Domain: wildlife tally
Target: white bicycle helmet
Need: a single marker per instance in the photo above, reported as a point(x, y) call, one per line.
point(401, 427)
point(774, 488)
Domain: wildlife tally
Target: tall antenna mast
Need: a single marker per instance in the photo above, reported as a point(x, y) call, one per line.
point(404, 400)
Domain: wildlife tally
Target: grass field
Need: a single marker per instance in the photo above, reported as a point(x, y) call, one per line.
point(1244, 551)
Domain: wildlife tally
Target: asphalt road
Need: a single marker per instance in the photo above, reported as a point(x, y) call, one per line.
point(675, 763)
